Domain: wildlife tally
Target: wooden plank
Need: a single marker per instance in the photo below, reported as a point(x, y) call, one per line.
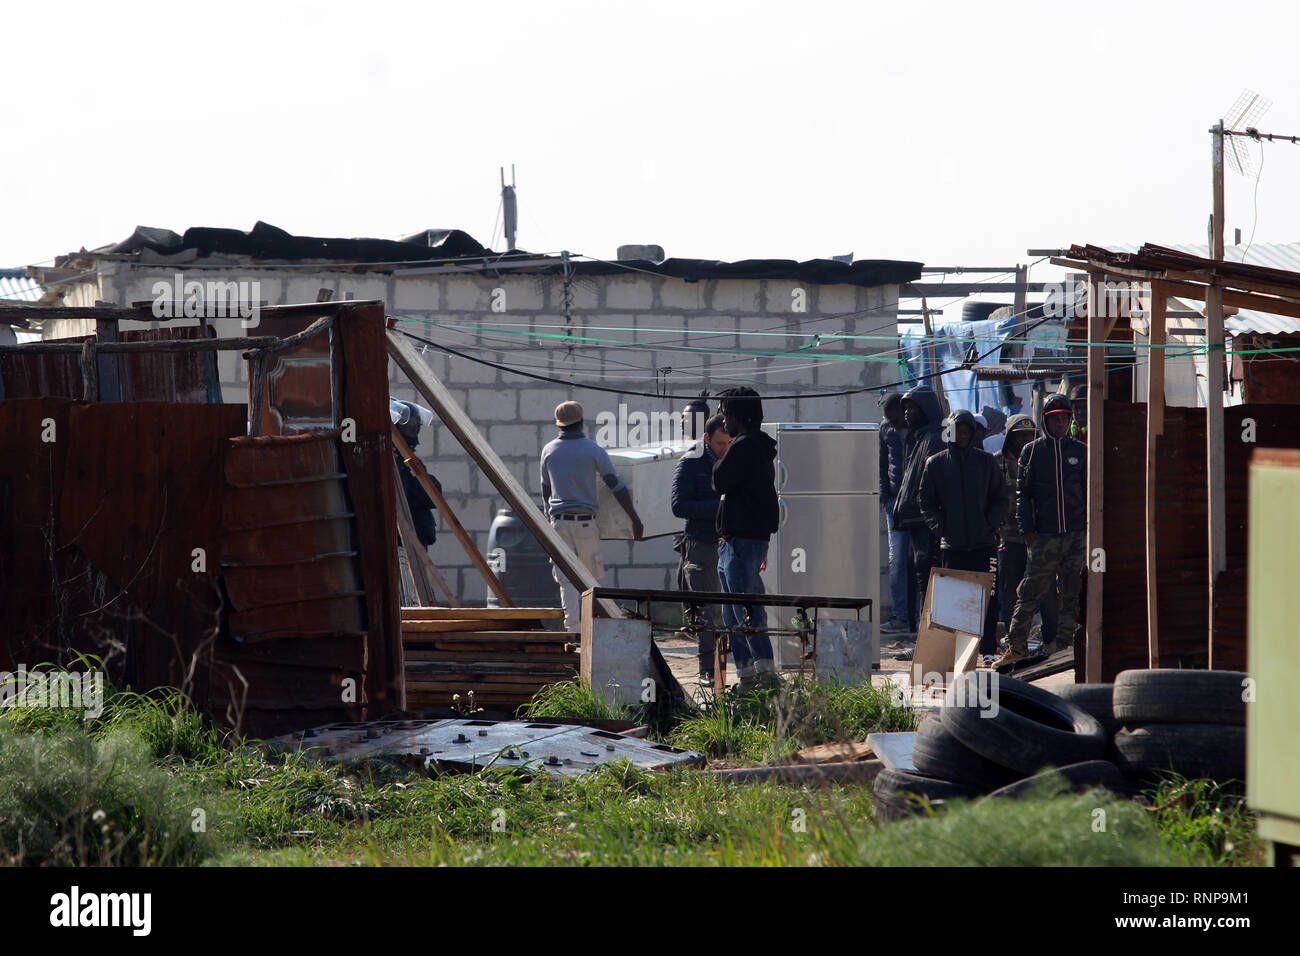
point(485, 456)
point(471, 549)
point(1155, 425)
point(1096, 471)
point(524, 671)
point(410, 542)
point(488, 657)
point(503, 637)
point(482, 613)
point(470, 651)
point(450, 627)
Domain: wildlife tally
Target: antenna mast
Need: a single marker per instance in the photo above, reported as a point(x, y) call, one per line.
point(509, 207)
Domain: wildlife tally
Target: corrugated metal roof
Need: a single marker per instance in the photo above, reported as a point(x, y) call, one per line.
point(17, 287)
point(1274, 255)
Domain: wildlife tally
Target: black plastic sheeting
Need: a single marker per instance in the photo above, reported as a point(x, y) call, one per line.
point(865, 272)
point(267, 242)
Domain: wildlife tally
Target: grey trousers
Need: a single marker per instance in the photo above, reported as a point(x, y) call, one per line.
point(698, 571)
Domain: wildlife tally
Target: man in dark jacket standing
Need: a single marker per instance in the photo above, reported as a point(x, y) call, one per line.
point(1012, 554)
point(695, 500)
point(961, 501)
point(892, 462)
point(923, 416)
point(1051, 514)
point(961, 497)
point(747, 518)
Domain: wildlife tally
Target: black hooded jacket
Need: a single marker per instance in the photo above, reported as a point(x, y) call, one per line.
point(746, 479)
point(961, 494)
point(919, 445)
point(1050, 496)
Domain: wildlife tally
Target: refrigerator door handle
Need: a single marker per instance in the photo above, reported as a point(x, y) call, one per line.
point(781, 475)
point(784, 513)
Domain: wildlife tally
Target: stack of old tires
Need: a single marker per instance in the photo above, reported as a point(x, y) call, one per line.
point(992, 736)
point(1190, 722)
point(997, 736)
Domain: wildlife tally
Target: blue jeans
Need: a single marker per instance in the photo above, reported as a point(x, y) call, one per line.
point(738, 563)
point(900, 598)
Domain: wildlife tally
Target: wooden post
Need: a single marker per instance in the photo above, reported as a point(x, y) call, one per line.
point(1155, 426)
point(422, 476)
point(1216, 520)
point(410, 541)
point(1097, 307)
point(937, 380)
point(89, 371)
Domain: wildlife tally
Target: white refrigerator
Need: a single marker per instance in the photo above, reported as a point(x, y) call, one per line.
point(830, 539)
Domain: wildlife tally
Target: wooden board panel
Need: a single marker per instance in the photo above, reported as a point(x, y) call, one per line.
point(482, 613)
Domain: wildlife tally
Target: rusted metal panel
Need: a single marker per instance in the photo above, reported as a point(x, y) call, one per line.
point(1182, 588)
point(263, 585)
point(360, 332)
point(41, 376)
point(316, 617)
point(167, 376)
point(289, 540)
point(34, 614)
point(303, 383)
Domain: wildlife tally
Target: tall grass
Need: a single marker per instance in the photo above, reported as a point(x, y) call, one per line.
point(67, 798)
point(1209, 815)
point(773, 721)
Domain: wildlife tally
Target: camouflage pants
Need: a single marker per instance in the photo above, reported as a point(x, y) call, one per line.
point(1054, 564)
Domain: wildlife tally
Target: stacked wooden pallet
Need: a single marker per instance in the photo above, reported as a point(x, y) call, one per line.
point(503, 655)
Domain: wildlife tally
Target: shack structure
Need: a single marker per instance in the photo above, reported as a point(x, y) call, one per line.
point(242, 552)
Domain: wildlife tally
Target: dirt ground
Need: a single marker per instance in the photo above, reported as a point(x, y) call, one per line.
point(684, 663)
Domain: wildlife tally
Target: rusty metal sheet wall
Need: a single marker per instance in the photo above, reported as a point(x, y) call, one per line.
point(1182, 593)
point(41, 376)
point(303, 382)
point(31, 472)
point(369, 463)
point(167, 376)
point(289, 539)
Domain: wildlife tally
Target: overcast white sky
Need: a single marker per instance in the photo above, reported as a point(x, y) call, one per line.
point(950, 133)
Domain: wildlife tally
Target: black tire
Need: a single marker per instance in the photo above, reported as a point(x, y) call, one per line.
point(937, 753)
point(1180, 697)
point(1028, 729)
point(1095, 699)
point(899, 795)
point(1074, 778)
point(1217, 751)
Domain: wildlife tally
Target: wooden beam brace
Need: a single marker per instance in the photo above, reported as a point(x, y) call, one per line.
point(458, 529)
point(471, 439)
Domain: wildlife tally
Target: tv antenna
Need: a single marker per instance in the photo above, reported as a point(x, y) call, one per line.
point(1240, 121)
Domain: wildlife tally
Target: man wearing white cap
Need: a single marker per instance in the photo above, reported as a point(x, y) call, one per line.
point(570, 464)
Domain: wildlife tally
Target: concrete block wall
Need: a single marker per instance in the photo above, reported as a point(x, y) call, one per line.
point(479, 315)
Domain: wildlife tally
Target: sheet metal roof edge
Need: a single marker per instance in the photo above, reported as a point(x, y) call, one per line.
point(1283, 260)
